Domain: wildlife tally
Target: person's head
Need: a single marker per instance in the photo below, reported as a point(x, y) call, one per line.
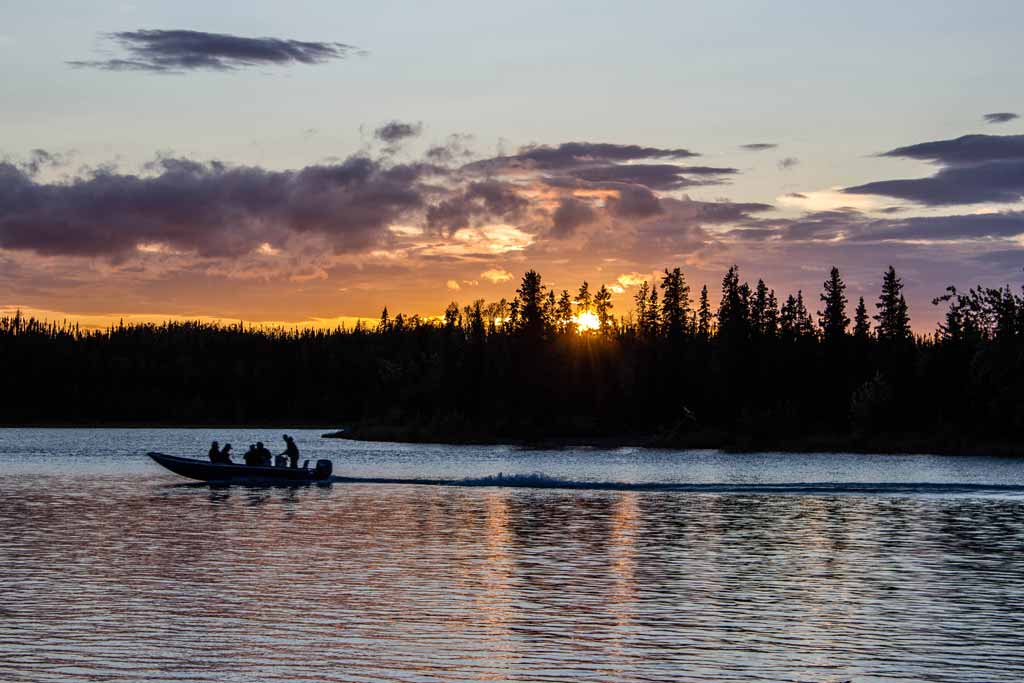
point(227, 447)
point(287, 438)
point(252, 447)
point(259, 444)
point(284, 436)
point(214, 444)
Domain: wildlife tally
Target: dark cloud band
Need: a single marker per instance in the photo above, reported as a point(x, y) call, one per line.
point(974, 169)
point(210, 209)
point(1001, 117)
point(396, 131)
point(178, 51)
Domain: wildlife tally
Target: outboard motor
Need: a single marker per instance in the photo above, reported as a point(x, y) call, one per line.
point(323, 469)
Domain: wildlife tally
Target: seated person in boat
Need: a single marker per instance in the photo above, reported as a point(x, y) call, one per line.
point(251, 456)
point(225, 455)
point(214, 452)
point(264, 454)
point(291, 451)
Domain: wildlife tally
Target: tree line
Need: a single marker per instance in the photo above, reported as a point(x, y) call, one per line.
point(742, 368)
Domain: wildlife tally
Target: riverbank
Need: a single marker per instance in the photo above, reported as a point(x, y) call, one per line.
point(938, 443)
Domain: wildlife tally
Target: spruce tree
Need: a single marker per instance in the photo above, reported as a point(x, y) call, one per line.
point(675, 302)
point(893, 319)
point(530, 297)
point(640, 299)
point(771, 316)
point(549, 314)
point(759, 308)
point(788, 318)
point(833, 319)
point(603, 308)
point(803, 323)
point(653, 322)
point(733, 310)
point(704, 315)
point(861, 324)
point(475, 320)
point(563, 311)
point(584, 300)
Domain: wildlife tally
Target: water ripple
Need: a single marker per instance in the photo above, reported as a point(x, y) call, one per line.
point(126, 576)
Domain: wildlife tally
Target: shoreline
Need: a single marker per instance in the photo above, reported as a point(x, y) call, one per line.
point(729, 442)
point(884, 444)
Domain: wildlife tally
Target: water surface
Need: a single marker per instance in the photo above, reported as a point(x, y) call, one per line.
point(113, 570)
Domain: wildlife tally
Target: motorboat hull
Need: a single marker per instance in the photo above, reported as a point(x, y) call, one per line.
point(202, 470)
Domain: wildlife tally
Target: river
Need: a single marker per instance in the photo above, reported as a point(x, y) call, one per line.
point(585, 565)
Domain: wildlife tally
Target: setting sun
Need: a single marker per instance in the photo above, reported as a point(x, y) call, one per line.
point(586, 321)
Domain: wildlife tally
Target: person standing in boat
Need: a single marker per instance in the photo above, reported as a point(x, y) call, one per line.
point(291, 451)
point(214, 452)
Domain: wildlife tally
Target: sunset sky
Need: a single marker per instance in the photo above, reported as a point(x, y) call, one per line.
point(304, 161)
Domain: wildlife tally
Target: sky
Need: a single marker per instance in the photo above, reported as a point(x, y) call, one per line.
point(309, 162)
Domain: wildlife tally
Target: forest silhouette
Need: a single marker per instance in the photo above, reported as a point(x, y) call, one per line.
point(680, 369)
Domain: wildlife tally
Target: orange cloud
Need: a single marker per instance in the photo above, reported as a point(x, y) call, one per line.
point(496, 275)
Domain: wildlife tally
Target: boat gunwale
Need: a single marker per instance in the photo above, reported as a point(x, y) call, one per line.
point(202, 470)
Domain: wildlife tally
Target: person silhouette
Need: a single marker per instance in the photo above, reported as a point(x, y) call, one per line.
point(225, 455)
point(264, 454)
point(214, 452)
point(292, 451)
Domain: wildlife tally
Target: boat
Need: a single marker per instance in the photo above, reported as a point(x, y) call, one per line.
point(222, 473)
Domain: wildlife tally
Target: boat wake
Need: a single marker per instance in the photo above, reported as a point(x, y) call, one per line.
point(543, 481)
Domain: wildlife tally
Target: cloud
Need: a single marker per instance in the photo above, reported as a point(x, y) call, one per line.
point(632, 279)
point(455, 147)
point(39, 159)
point(453, 285)
point(176, 51)
point(964, 150)
point(571, 214)
point(496, 275)
point(1009, 259)
point(788, 163)
point(851, 226)
point(394, 131)
point(1001, 117)
point(945, 228)
point(758, 146)
point(210, 209)
point(634, 201)
point(997, 181)
point(973, 169)
point(480, 200)
point(682, 225)
point(570, 155)
point(654, 176)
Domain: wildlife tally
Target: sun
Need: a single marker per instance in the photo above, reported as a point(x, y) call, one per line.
point(586, 321)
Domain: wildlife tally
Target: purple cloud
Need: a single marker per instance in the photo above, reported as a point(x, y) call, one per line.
point(395, 131)
point(974, 169)
point(176, 51)
point(208, 208)
point(571, 214)
point(1001, 117)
